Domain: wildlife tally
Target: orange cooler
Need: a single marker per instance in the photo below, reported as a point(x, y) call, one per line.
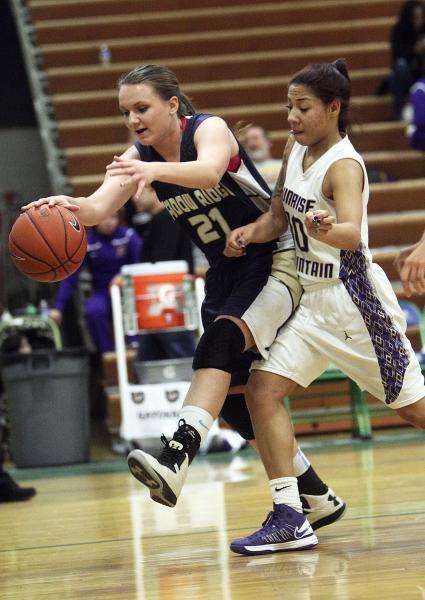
point(158, 293)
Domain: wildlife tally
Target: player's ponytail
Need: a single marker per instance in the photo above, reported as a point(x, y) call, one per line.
point(340, 65)
point(163, 81)
point(185, 105)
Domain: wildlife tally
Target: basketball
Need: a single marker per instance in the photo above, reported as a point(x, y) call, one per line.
point(47, 243)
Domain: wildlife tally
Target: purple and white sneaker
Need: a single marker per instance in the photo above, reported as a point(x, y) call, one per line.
point(284, 529)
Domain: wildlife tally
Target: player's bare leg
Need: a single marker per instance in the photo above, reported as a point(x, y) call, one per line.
point(165, 475)
point(286, 528)
point(221, 343)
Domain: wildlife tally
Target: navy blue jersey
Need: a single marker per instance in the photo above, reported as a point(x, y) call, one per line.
point(207, 215)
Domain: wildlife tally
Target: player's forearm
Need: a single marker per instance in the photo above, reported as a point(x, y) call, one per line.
point(86, 213)
point(267, 227)
point(105, 201)
point(344, 236)
point(194, 174)
point(92, 210)
point(419, 249)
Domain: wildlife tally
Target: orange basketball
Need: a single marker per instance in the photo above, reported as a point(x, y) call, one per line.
point(47, 243)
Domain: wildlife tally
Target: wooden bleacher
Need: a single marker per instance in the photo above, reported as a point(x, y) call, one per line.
point(234, 58)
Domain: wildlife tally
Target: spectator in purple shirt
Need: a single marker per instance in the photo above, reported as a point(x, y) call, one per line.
point(416, 128)
point(110, 246)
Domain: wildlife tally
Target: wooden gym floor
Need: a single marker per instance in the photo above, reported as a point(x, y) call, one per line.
point(92, 532)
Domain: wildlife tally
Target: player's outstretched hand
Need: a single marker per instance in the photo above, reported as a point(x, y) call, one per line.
point(237, 241)
point(318, 223)
point(411, 266)
point(137, 171)
point(65, 201)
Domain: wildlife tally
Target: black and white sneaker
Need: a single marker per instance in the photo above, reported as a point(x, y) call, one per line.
point(324, 509)
point(165, 475)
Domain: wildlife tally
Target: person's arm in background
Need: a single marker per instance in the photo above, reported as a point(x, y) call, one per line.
point(411, 266)
point(418, 104)
point(135, 245)
point(64, 293)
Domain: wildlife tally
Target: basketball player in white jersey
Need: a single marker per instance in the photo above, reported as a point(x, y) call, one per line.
point(348, 314)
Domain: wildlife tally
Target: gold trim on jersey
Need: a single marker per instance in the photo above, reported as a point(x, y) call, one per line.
point(284, 270)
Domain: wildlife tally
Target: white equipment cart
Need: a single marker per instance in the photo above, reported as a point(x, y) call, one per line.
point(154, 297)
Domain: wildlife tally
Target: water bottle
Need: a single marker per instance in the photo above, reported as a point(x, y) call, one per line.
point(190, 309)
point(43, 309)
point(30, 309)
point(104, 55)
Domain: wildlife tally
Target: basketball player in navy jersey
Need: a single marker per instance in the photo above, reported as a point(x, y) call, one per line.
point(348, 314)
point(209, 186)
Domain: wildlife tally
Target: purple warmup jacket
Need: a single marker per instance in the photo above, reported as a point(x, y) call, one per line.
point(104, 258)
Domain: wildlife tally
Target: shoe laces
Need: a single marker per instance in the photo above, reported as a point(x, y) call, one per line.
point(269, 520)
point(274, 519)
point(171, 453)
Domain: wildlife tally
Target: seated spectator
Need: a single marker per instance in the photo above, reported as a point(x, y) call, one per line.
point(408, 52)
point(159, 226)
point(416, 126)
point(110, 246)
point(257, 143)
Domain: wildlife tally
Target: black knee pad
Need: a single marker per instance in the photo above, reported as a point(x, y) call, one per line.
point(241, 367)
point(235, 412)
point(220, 346)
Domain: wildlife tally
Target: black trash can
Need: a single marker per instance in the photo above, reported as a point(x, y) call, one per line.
point(49, 407)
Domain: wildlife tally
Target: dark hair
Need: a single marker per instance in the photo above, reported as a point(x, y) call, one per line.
point(328, 81)
point(405, 19)
point(163, 81)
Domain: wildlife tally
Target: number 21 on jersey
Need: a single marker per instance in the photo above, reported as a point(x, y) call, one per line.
point(207, 225)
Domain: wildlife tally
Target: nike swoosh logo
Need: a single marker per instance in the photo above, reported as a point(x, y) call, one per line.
point(285, 487)
point(202, 423)
point(75, 224)
point(301, 531)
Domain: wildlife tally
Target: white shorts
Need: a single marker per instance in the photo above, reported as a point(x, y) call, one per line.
point(276, 302)
point(330, 326)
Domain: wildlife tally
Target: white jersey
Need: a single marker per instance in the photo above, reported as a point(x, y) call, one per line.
point(349, 314)
point(317, 262)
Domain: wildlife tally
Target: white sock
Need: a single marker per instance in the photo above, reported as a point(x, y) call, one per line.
point(198, 418)
point(301, 463)
point(285, 491)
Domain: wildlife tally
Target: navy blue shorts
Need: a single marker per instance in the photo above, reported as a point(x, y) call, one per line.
point(231, 286)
